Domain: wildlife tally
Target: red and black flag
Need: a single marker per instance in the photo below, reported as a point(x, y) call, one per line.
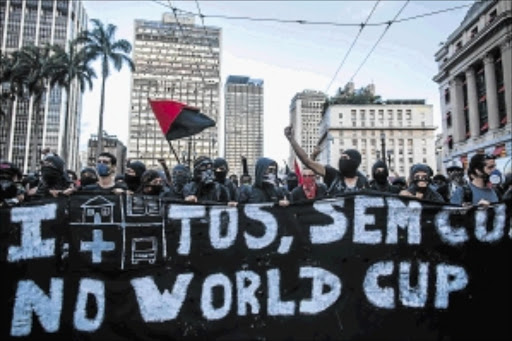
point(178, 120)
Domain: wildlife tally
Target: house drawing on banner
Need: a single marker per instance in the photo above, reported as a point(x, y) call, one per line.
point(98, 210)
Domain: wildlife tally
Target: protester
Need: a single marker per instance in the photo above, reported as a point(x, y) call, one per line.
point(221, 169)
point(265, 187)
point(88, 177)
point(456, 179)
point(380, 180)
point(292, 181)
point(310, 189)
point(54, 181)
point(9, 192)
point(203, 187)
point(478, 190)
point(344, 180)
point(106, 170)
point(234, 179)
point(419, 180)
point(132, 175)
point(180, 176)
point(440, 184)
point(400, 182)
point(151, 183)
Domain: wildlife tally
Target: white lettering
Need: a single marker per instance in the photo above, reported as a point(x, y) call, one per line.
point(498, 230)
point(31, 299)
point(97, 289)
point(380, 297)
point(156, 307)
point(256, 212)
point(320, 300)
point(409, 296)
point(450, 278)
point(406, 217)
point(275, 306)
point(361, 219)
point(185, 213)
point(246, 294)
point(449, 234)
point(323, 234)
point(32, 245)
point(209, 311)
point(218, 241)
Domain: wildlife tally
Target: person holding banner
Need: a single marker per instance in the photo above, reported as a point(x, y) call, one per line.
point(180, 176)
point(203, 187)
point(478, 191)
point(420, 177)
point(345, 179)
point(265, 187)
point(310, 189)
point(106, 170)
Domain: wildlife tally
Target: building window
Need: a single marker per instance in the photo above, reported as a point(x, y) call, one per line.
point(448, 119)
point(446, 95)
point(493, 15)
point(500, 85)
point(474, 32)
point(458, 45)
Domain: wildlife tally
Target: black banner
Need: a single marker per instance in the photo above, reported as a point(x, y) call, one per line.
point(362, 266)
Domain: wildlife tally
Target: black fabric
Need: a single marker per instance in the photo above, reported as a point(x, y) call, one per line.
point(297, 195)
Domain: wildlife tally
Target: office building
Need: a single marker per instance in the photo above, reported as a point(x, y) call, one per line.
point(243, 132)
point(39, 22)
point(475, 84)
point(305, 115)
point(178, 60)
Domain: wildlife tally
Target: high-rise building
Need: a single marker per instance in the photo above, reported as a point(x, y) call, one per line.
point(398, 131)
point(243, 122)
point(112, 145)
point(177, 60)
point(38, 22)
point(305, 114)
point(475, 84)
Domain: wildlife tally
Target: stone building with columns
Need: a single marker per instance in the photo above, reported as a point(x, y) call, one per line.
point(475, 83)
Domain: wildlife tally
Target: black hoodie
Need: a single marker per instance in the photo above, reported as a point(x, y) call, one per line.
point(262, 191)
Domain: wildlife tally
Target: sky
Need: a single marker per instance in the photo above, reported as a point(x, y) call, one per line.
point(292, 57)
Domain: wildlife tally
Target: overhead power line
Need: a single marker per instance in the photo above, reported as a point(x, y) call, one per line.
point(351, 46)
point(378, 40)
point(311, 22)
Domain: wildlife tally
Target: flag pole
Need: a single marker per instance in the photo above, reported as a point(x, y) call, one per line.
point(174, 152)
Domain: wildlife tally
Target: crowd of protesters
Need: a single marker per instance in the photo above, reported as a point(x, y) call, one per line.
point(208, 181)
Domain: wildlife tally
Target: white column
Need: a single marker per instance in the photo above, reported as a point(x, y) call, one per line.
point(491, 92)
point(506, 62)
point(457, 99)
point(474, 120)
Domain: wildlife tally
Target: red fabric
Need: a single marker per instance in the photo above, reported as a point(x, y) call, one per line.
point(166, 112)
point(309, 187)
point(297, 171)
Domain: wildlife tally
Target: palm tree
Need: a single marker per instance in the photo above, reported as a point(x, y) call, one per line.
point(33, 66)
point(12, 88)
point(66, 67)
point(101, 43)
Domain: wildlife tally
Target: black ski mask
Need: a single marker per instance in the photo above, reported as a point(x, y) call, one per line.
point(203, 172)
point(180, 177)
point(220, 166)
point(348, 166)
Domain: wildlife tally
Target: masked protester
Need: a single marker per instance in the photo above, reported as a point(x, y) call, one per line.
point(180, 176)
point(265, 187)
point(479, 190)
point(234, 179)
point(88, 177)
point(420, 178)
point(8, 189)
point(106, 170)
point(440, 184)
point(203, 187)
point(380, 181)
point(400, 182)
point(152, 183)
point(456, 179)
point(54, 181)
point(221, 169)
point(292, 181)
point(310, 189)
point(133, 173)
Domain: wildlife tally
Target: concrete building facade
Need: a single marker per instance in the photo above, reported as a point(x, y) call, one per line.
point(401, 129)
point(306, 110)
point(112, 145)
point(178, 60)
point(243, 122)
point(475, 84)
point(39, 22)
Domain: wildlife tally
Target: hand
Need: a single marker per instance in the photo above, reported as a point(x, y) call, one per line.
point(69, 191)
point(405, 193)
point(484, 203)
point(232, 204)
point(191, 198)
point(54, 192)
point(284, 203)
point(118, 191)
point(288, 132)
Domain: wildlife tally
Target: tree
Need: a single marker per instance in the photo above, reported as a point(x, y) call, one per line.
point(101, 43)
point(67, 67)
point(32, 65)
point(12, 88)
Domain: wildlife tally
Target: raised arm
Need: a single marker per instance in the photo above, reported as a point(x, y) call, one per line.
point(316, 167)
